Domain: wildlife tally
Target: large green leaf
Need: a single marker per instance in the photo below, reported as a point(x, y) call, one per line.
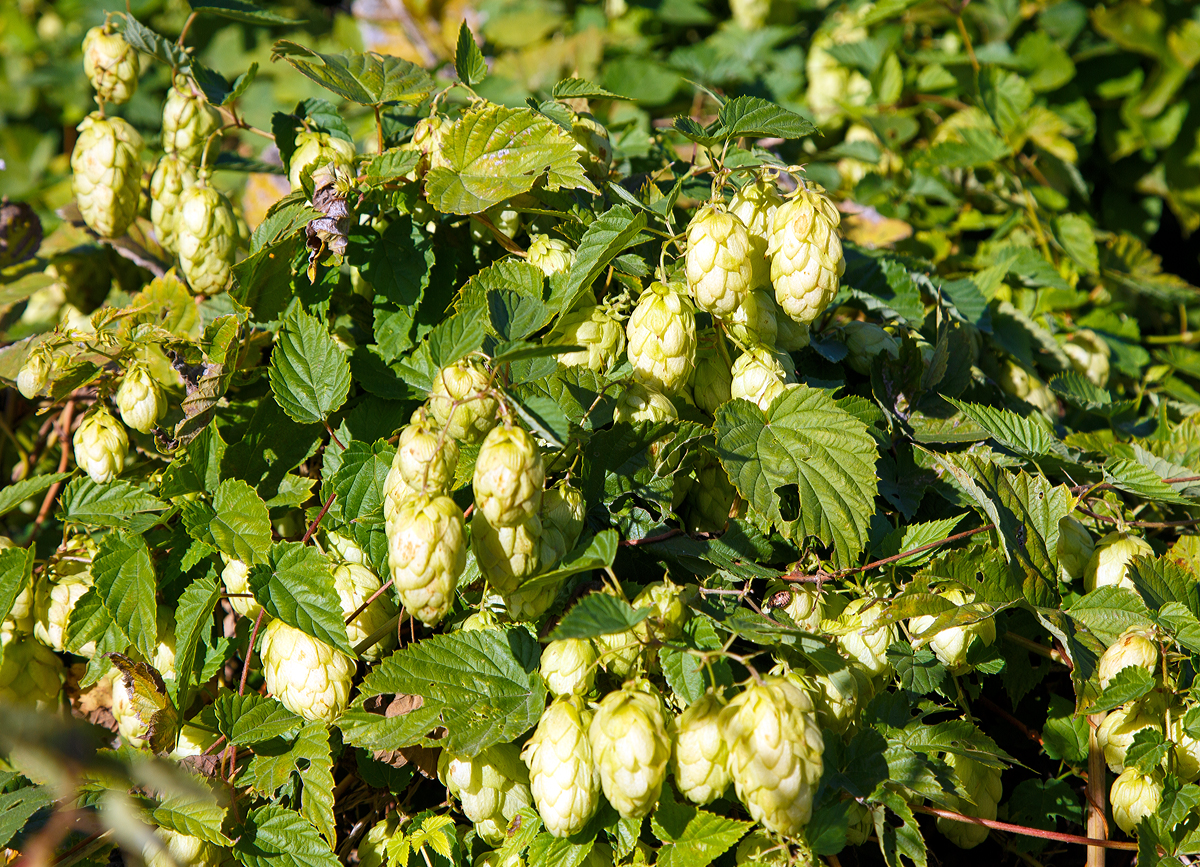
point(598, 614)
point(310, 375)
point(125, 582)
point(274, 836)
point(237, 523)
point(363, 77)
point(18, 492)
point(296, 585)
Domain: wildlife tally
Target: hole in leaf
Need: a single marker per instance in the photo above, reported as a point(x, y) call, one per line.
point(789, 502)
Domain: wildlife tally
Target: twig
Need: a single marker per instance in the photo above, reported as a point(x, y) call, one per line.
point(955, 538)
point(1023, 830)
point(360, 609)
point(1149, 525)
point(65, 418)
point(250, 651)
point(649, 540)
point(325, 508)
point(334, 436)
point(506, 242)
point(187, 25)
point(214, 745)
point(1001, 712)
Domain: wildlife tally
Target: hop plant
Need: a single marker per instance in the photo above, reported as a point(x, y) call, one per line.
point(355, 584)
point(701, 754)
point(315, 149)
point(806, 254)
point(1020, 383)
point(759, 377)
point(550, 255)
point(106, 173)
point(140, 400)
point(643, 403)
point(506, 555)
point(631, 745)
point(862, 643)
point(563, 513)
point(509, 476)
point(1075, 548)
point(712, 376)
point(532, 599)
point(593, 146)
point(662, 338)
point(236, 578)
point(188, 121)
point(710, 500)
point(492, 787)
point(865, 341)
point(1134, 647)
point(755, 205)
point(1089, 355)
point(1117, 731)
point(775, 753)
point(1134, 796)
point(101, 445)
point(717, 263)
point(838, 696)
point(620, 653)
point(176, 850)
point(569, 666)
point(1110, 560)
point(34, 374)
point(53, 609)
point(983, 787)
point(426, 553)
point(594, 328)
point(306, 675)
point(425, 461)
point(563, 777)
point(111, 65)
point(344, 549)
point(171, 177)
point(951, 644)
point(668, 609)
point(753, 323)
point(31, 675)
point(372, 851)
point(458, 403)
point(206, 233)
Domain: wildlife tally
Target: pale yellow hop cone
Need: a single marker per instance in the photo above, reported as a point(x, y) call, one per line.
point(459, 404)
point(562, 774)
point(775, 753)
point(601, 335)
point(1134, 796)
point(550, 255)
point(983, 787)
point(951, 644)
point(31, 675)
point(717, 263)
point(806, 254)
point(315, 149)
point(759, 376)
point(755, 205)
point(426, 459)
point(754, 322)
point(101, 445)
point(355, 584)
point(712, 376)
point(1075, 548)
point(111, 65)
point(206, 232)
point(866, 340)
point(427, 553)
point(140, 399)
point(563, 513)
point(643, 403)
point(236, 578)
point(1116, 732)
point(189, 122)
point(866, 643)
point(569, 666)
point(509, 476)
point(182, 850)
point(34, 374)
point(306, 675)
point(507, 556)
point(631, 745)
point(106, 172)
point(491, 786)
point(1134, 647)
point(701, 757)
point(661, 335)
point(1109, 564)
point(171, 177)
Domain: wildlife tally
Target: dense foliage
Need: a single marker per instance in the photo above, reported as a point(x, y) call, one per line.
point(457, 442)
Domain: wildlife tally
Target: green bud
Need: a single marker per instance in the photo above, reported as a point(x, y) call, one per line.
point(662, 338)
point(1134, 796)
point(111, 65)
point(140, 399)
point(458, 404)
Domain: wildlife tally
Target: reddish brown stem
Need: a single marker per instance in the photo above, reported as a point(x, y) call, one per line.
point(1024, 830)
point(250, 651)
point(317, 522)
point(1149, 525)
point(334, 436)
point(648, 540)
point(360, 609)
point(64, 436)
point(1097, 824)
point(955, 538)
point(1001, 712)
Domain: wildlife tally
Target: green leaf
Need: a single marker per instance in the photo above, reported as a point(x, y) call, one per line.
point(591, 552)
point(1075, 235)
point(107, 505)
point(18, 492)
point(692, 837)
point(581, 88)
point(751, 117)
point(146, 40)
point(310, 376)
point(598, 614)
point(546, 850)
point(193, 812)
point(296, 585)
point(1027, 435)
point(495, 153)
point(193, 616)
point(1147, 750)
point(1109, 611)
point(316, 774)
point(1161, 580)
point(1079, 390)
point(455, 338)
point(606, 238)
point(545, 418)
point(236, 523)
point(808, 465)
point(18, 807)
point(978, 148)
point(482, 685)
point(360, 478)
point(241, 10)
point(468, 59)
point(125, 582)
point(365, 78)
point(250, 720)
point(16, 569)
point(1129, 684)
point(273, 836)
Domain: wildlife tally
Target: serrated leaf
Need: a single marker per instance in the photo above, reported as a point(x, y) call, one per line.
point(468, 59)
point(546, 850)
point(1147, 750)
point(193, 615)
point(1024, 435)
point(18, 807)
point(16, 493)
point(241, 10)
point(193, 812)
point(236, 523)
point(365, 78)
point(316, 805)
point(692, 837)
point(146, 40)
point(454, 338)
point(598, 614)
point(359, 479)
point(1080, 391)
point(274, 836)
point(808, 465)
point(581, 88)
point(613, 232)
point(250, 720)
point(495, 153)
point(310, 376)
point(1129, 684)
point(1108, 611)
point(296, 585)
point(751, 117)
point(1065, 735)
point(16, 569)
point(149, 703)
point(110, 504)
point(125, 582)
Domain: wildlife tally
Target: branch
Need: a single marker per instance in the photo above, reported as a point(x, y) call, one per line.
point(1024, 830)
point(325, 508)
point(64, 436)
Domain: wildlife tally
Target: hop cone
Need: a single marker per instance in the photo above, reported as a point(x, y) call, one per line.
point(509, 476)
point(983, 787)
point(372, 851)
point(775, 751)
point(593, 146)
point(1187, 748)
point(595, 329)
point(100, 446)
point(701, 753)
point(1134, 796)
point(865, 340)
point(307, 676)
point(717, 263)
point(473, 417)
point(140, 399)
point(31, 675)
point(107, 174)
point(34, 374)
point(620, 653)
point(668, 611)
point(569, 666)
point(790, 335)
point(755, 205)
point(806, 254)
point(426, 553)
point(491, 786)
point(236, 578)
point(111, 65)
point(563, 512)
point(711, 377)
point(562, 775)
point(1075, 548)
point(1110, 560)
point(801, 602)
point(171, 177)
point(1117, 731)
point(866, 645)
point(344, 549)
point(758, 849)
point(316, 149)
point(206, 232)
point(181, 850)
point(355, 584)
point(425, 459)
point(710, 500)
point(1134, 647)
point(754, 323)
point(759, 377)
point(506, 555)
point(950, 645)
point(1089, 355)
point(662, 338)
point(188, 121)
point(54, 600)
point(1020, 383)
point(838, 695)
point(550, 255)
point(132, 728)
point(631, 745)
point(532, 599)
point(643, 403)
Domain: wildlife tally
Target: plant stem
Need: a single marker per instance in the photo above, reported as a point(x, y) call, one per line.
point(1097, 825)
point(1024, 830)
point(360, 609)
point(250, 651)
point(379, 125)
point(325, 508)
point(187, 25)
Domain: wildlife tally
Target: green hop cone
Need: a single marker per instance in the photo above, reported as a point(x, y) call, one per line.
point(236, 578)
point(563, 777)
point(130, 726)
point(1117, 731)
point(717, 263)
point(758, 849)
point(1020, 383)
point(837, 696)
point(701, 754)
point(1089, 355)
point(1075, 548)
point(569, 666)
point(111, 65)
point(775, 749)
point(951, 644)
point(457, 402)
point(593, 327)
point(181, 850)
point(355, 584)
point(753, 323)
point(532, 599)
point(193, 741)
point(755, 205)
point(759, 376)
point(425, 460)
point(1109, 564)
point(54, 600)
point(31, 675)
point(509, 476)
point(315, 149)
point(711, 376)
point(710, 499)
point(866, 340)
point(806, 254)
point(867, 645)
point(372, 851)
point(563, 512)
point(661, 335)
point(188, 121)
point(642, 403)
point(790, 335)
point(1134, 796)
point(668, 609)
point(491, 786)
point(984, 789)
point(106, 173)
point(550, 255)
point(34, 374)
point(426, 554)
point(1186, 747)
point(802, 602)
point(344, 549)
point(171, 177)
point(593, 146)
point(1134, 647)
point(140, 399)
point(101, 445)
point(307, 676)
point(206, 232)
point(631, 745)
point(506, 555)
